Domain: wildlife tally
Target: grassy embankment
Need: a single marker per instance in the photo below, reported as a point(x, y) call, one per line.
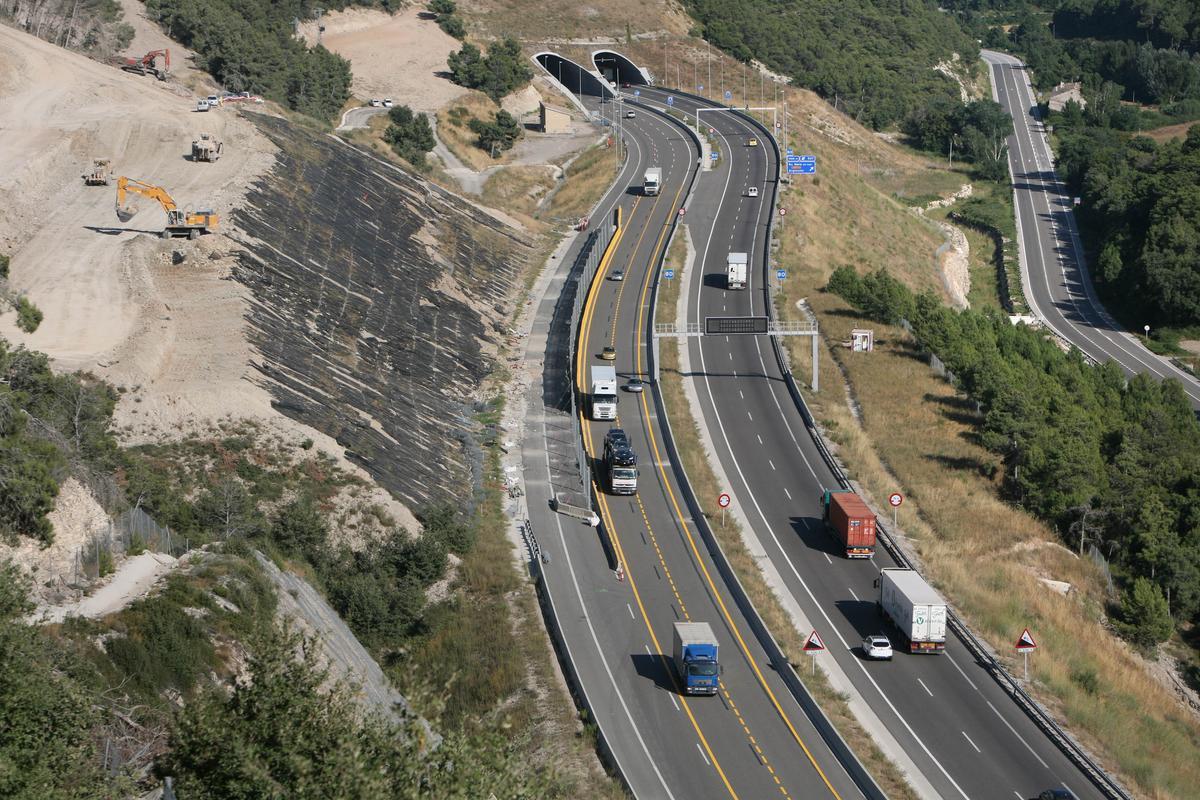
point(918, 435)
point(704, 483)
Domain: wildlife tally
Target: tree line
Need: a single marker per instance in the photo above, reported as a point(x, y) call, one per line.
point(249, 45)
point(872, 59)
point(1109, 462)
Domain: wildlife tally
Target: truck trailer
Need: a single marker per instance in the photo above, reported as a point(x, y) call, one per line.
point(914, 607)
point(604, 393)
point(735, 270)
point(652, 181)
point(851, 521)
point(695, 654)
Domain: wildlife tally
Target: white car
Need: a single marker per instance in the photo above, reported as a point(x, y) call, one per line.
point(877, 647)
point(387, 102)
point(213, 101)
point(376, 103)
point(630, 115)
point(752, 191)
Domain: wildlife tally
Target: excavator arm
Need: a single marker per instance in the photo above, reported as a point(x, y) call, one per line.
point(126, 185)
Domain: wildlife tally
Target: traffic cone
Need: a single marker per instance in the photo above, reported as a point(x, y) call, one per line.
point(620, 572)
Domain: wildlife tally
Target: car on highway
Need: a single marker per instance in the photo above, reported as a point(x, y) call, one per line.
point(752, 191)
point(1056, 794)
point(752, 142)
point(375, 102)
point(635, 385)
point(616, 275)
point(629, 114)
point(387, 102)
point(877, 647)
point(608, 354)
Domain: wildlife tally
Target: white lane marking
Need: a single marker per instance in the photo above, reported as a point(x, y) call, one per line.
point(830, 560)
point(851, 591)
point(759, 437)
point(968, 738)
point(789, 494)
point(772, 463)
point(1019, 738)
point(672, 696)
point(923, 686)
point(706, 761)
point(960, 671)
point(1019, 795)
point(631, 616)
point(741, 395)
point(751, 416)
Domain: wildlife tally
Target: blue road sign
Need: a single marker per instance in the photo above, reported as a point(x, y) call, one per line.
point(781, 274)
point(670, 101)
point(638, 93)
point(789, 151)
point(668, 274)
point(808, 168)
point(807, 158)
point(713, 155)
point(729, 96)
point(793, 169)
point(700, 88)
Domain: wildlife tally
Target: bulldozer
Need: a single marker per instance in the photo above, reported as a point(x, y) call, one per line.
point(100, 174)
point(206, 148)
point(179, 223)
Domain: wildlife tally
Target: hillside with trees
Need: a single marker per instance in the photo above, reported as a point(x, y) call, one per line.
point(873, 59)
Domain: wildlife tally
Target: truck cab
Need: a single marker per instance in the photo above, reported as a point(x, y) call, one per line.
point(652, 181)
point(695, 656)
point(620, 463)
point(604, 393)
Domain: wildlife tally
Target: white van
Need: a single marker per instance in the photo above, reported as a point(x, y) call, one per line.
point(202, 105)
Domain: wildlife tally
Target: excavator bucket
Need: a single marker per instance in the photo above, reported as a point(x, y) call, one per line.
point(125, 214)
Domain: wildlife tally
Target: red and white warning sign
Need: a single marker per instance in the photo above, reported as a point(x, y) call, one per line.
point(1026, 642)
point(814, 643)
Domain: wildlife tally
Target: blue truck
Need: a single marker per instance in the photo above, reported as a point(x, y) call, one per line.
point(696, 657)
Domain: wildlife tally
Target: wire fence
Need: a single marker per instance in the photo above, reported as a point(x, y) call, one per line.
point(131, 533)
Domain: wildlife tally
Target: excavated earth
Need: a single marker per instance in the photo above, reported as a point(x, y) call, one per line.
point(377, 302)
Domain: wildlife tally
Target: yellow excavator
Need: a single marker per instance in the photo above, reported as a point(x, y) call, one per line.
point(179, 223)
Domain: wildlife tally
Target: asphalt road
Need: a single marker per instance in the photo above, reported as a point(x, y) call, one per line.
point(960, 729)
point(1057, 284)
point(751, 740)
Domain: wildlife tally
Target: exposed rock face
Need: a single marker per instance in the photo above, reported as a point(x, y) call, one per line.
point(376, 303)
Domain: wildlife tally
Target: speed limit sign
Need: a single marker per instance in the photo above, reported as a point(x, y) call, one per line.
point(895, 498)
point(723, 501)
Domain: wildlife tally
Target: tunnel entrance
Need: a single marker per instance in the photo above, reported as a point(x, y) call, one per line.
point(573, 76)
point(619, 69)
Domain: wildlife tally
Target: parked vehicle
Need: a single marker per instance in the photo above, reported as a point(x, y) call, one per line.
point(735, 270)
point(387, 102)
point(652, 181)
point(604, 393)
point(202, 105)
point(695, 652)
point(851, 521)
point(914, 608)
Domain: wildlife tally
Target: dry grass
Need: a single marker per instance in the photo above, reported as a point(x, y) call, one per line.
point(1169, 132)
point(586, 180)
point(563, 21)
point(518, 190)
point(704, 483)
point(918, 436)
point(453, 128)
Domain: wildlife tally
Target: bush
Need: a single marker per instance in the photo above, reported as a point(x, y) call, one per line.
point(29, 316)
point(163, 647)
point(4, 263)
point(299, 529)
point(502, 71)
point(1145, 618)
point(444, 524)
point(499, 134)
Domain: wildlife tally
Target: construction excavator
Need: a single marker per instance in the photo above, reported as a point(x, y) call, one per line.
point(179, 223)
point(148, 64)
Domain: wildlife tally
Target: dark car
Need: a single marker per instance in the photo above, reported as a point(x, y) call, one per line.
point(1056, 794)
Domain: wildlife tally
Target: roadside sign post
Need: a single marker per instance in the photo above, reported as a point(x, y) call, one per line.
point(723, 501)
point(895, 499)
point(780, 276)
point(668, 274)
point(1026, 645)
point(813, 646)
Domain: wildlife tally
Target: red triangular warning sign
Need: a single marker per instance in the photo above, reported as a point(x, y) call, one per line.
point(1026, 641)
point(814, 643)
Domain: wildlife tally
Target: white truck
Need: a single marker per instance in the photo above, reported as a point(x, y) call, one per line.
point(914, 607)
point(604, 393)
point(652, 181)
point(735, 275)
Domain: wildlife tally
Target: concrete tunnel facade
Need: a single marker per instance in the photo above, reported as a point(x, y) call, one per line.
point(619, 69)
point(572, 77)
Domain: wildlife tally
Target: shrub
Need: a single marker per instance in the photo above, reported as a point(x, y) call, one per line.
point(29, 316)
point(410, 135)
point(502, 71)
point(4, 263)
point(499, 134)
point(1145, 617)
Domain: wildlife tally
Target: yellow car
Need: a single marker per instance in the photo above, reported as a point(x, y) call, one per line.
point(608, 354)
point(752, 142)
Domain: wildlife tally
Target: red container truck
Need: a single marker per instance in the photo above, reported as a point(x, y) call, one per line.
point(851, 521)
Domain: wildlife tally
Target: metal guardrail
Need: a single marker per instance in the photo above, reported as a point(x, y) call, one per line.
point(1032, 708)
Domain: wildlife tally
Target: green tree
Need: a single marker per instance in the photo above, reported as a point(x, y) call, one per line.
point(501, 72)
point(1146, 619)
point(499, 134)
point(410, 135)
point(300, 529)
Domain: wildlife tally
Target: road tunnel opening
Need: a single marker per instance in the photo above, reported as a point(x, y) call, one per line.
point(572, 76)
point(618, 69)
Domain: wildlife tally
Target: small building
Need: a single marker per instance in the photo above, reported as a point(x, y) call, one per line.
point(552, 120)
point(1063, 94)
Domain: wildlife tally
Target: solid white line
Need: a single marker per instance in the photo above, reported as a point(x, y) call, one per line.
point(672, 696)
point(851, 591)
point(923, 686)
point(968, 738)
point(1019, 738)
point(706, 761)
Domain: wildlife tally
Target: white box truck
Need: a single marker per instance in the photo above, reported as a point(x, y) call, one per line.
point(695, 653)
point(914, 608)
point(604, 393)
point(735, 276)
point(652, 181)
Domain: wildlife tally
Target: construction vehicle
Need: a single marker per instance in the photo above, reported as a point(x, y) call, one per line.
point(179, 223)
point(206, 148)
point(148, 64)
point(100, 174)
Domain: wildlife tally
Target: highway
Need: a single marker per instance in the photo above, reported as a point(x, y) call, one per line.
point(962, 732)
point(751, 740)
point(1053, 268)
